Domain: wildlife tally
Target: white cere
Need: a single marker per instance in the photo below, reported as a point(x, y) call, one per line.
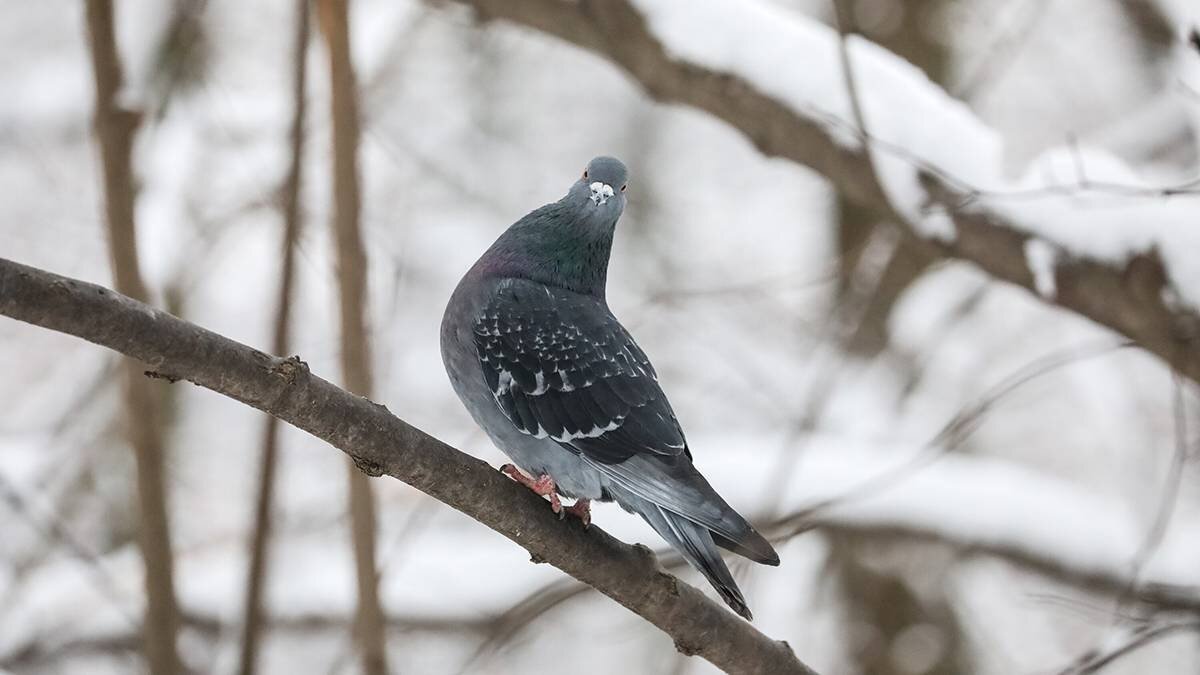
point(601, 192)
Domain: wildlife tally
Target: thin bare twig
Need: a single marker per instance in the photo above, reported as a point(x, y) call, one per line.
point(948, 438)
point(352, 295)
point(845, 27)
point(53, 529)
point(1096, 658)
point(1139, 637)
point(1170, 492)
point(1003, 50)
point(268, 463)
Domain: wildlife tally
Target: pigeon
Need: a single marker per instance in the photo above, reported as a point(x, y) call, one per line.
point(559, 385)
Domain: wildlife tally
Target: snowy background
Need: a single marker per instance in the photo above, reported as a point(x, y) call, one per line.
point(1007, 549)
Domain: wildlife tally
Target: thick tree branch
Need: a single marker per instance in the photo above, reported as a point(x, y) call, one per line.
point(1128, 299)
point(175, 349)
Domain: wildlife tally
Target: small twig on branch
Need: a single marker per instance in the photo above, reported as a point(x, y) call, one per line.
point(285, 388)
point(1141, 636)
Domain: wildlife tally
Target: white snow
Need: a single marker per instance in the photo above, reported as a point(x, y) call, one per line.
point(913, 123)
point(936, 224)
point(1040, 258)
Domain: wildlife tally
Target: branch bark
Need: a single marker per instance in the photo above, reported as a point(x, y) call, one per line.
point(260, 538)
point(382, 443)
point(115, 130)
point(1127, 299)
point(352, 294)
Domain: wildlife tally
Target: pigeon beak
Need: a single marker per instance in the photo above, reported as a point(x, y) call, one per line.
point(600, 192)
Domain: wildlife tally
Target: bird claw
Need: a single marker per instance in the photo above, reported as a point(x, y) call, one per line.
point(514, 473)
point(542, 486)
point(555, 504)
point(581, 509)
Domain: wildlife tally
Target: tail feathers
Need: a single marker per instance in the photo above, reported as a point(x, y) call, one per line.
point(696, 545)
point(751, 545)
point(678, 488)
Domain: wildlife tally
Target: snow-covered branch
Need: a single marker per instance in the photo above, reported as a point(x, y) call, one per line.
point(381, 443)
point(1079, 228)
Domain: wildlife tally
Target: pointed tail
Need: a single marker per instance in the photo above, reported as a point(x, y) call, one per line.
point(696, 545)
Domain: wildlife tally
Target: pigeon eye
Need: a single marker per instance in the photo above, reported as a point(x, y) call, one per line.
point(624, 186)
point(585, 173)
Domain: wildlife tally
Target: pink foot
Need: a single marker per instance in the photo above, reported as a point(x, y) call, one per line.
point(542, 485)
point(581, 509)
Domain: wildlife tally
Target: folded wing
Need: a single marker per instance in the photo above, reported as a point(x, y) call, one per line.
point(560, 365)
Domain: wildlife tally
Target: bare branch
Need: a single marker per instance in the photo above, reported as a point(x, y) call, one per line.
point(334, 19)
point(260, 538)
point(373, 437)
point(115, 131)
point(1141, 636)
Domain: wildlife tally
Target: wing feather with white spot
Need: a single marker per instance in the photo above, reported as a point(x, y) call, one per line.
point(560, 365)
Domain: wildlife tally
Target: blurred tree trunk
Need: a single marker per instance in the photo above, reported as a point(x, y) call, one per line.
point(115, 131)
point(290, 206)
point(891, 627)
point(352, 283)
point(906, 29)
point(895, 627)
point(1156, 36)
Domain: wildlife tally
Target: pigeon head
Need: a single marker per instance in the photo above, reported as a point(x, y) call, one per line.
point(605, 180)
point(599, 193)
point(567, 243)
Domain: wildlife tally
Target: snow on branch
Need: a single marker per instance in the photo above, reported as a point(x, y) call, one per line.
point(381, 443)
point(1113, 248)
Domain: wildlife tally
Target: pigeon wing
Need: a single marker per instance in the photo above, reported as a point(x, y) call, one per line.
point(560, 365)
